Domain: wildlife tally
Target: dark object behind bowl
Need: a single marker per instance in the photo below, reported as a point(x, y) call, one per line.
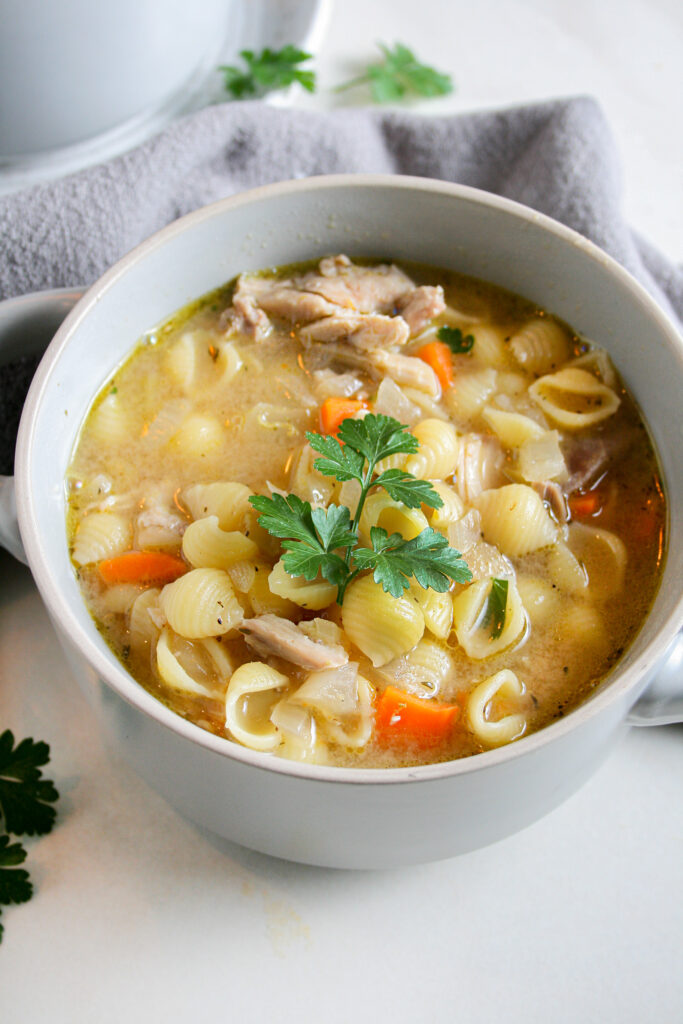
point(27, 326)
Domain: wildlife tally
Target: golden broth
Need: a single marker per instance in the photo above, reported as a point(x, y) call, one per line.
point(201, 400)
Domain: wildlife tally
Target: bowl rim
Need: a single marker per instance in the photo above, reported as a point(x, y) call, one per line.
point(125, 686)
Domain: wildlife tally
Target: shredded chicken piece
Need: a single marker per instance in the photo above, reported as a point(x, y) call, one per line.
point(327, 383)
point(361, 289)
point(553, 495)
point(340, 300)
point(406, 370)
point(362, 330)
point(273, 635)
point(421, 305)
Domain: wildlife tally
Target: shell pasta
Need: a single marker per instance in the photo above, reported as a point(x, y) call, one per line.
point(323, 630)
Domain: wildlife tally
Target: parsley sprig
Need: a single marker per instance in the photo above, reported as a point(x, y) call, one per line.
point(324, 542)
point(399, 74)
point(268, 70)
point(26, 800)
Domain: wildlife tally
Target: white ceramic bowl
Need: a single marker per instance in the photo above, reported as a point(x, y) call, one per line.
point(309, 813)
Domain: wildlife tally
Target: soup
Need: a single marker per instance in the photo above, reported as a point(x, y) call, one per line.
point(366, 515)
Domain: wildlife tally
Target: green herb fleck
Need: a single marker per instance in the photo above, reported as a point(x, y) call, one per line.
point(268, 70)
point(324, 542)
point(400, 74)
point(455, 340)
point(495, 610)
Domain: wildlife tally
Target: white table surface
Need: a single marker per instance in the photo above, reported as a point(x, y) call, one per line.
point(140, 916)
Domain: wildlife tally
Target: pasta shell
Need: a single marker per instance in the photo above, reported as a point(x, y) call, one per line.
point(474, 633)
point(227, 500)
point(143, 631)
point(205, 545)
point(180, 362)
point(381, 626)
point(470, 393)
point(201, 603)
point(495, 732)
point(422, 671)
point(515, 519)
point(313, 594)
point(511, 428)
point(393, 516)
point(438, 452)
point(252, 693)
point(173, 673)
point(573, 398)
point(109, 422)
point(452, 509)
point(540, 345)
point(198, 435)
point(101, 535)
point(437, 610)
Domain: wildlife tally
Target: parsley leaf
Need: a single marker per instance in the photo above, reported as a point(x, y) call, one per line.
point(495, 609)
point(427, 557)
point(455, 340)
point(268, 70)
point(323, 541)
point(400, 73)
point(15, 884)
point(310, 536)
point(340, 462)
point(404, 487)
point(25, 797)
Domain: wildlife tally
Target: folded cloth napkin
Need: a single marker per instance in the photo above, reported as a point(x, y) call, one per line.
point(558, 157)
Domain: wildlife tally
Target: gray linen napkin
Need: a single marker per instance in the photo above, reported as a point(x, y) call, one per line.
point(558, 157)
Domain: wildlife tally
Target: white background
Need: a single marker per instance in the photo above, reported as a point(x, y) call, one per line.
point(140, 917)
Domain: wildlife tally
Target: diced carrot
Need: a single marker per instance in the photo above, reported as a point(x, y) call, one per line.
point(403, 717)
point(584, 504)
point(142, 567)
point(438, 355)
point(334, 410)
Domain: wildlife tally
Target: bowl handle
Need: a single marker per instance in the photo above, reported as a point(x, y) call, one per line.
point(10, 537)
point(662, 702)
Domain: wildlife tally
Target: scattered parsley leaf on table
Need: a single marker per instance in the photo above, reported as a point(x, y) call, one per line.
point(15, 884)
point(25, 797)
point(456, 341)
point(268, 70)
point(400, 73)
point(324, 542)
point(25, 809)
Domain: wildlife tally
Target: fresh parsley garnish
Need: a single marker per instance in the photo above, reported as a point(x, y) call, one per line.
point(456, 341)
point(25, 809)
point(427, 557)
point(324, 542)
point(268, 70)
point(400, 73)
point(495, 609)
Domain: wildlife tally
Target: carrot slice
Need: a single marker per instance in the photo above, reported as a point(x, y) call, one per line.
point(584, 504)
point(142, 567)
point(401, 716)
point(334, 410)
point(438, 355)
